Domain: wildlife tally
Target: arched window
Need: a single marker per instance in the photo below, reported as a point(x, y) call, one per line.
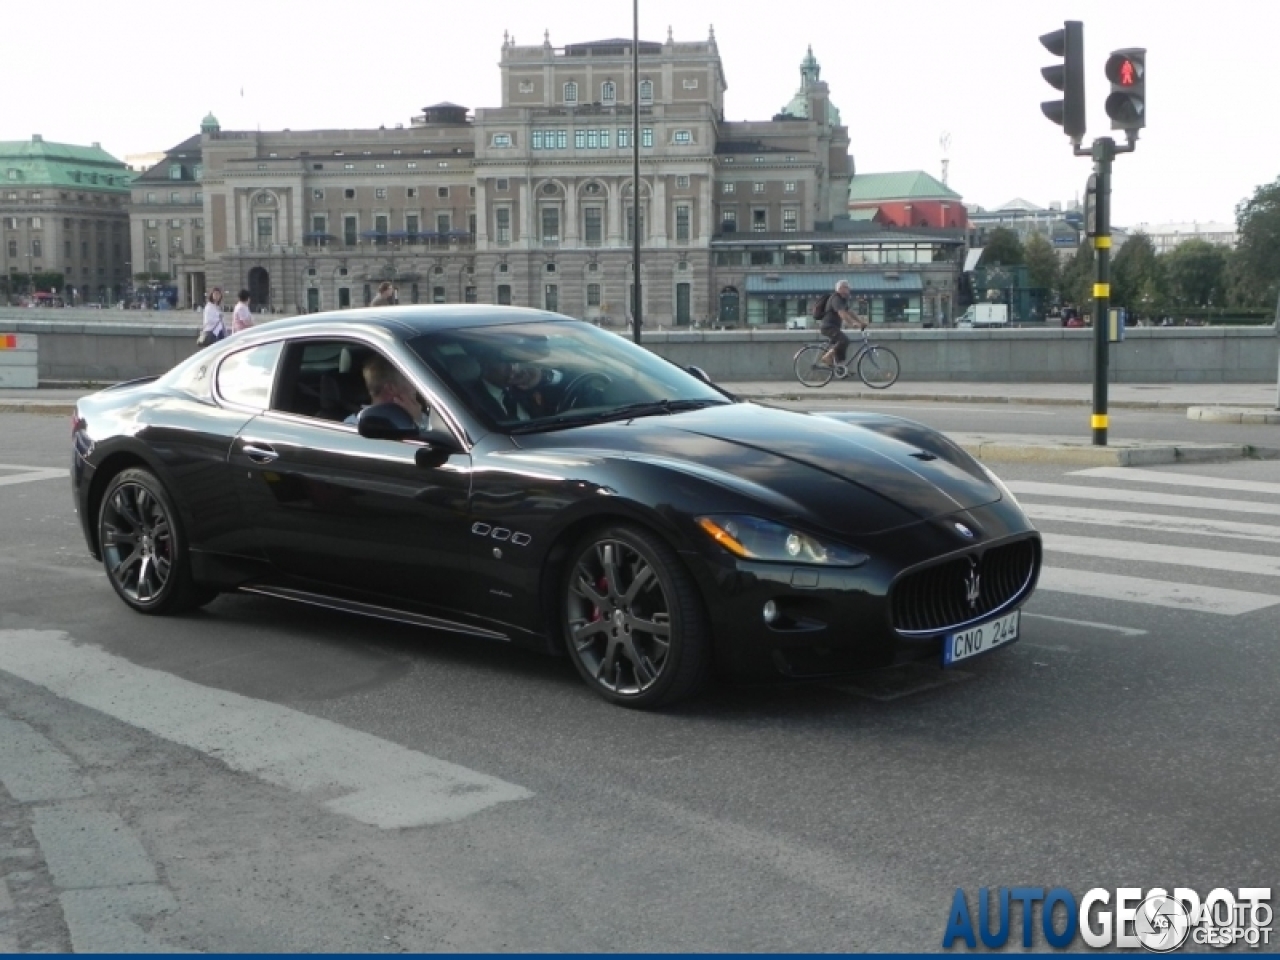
point(570, 92)
point(608, 92)
point(646, 91)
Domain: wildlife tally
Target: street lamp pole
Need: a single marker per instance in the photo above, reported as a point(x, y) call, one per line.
point(635, 168)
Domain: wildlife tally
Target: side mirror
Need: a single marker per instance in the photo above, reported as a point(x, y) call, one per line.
point(440, 446)
point(386, 421)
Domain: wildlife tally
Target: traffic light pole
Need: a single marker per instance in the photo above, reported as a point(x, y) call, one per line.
point(1103, 153)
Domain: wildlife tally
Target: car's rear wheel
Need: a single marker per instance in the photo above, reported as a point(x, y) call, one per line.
point(634, 624)
point(144, 549)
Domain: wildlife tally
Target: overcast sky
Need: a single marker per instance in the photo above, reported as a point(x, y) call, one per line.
point(138, 77)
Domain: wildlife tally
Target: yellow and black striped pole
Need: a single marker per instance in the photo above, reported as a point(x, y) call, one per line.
point(1104, 151)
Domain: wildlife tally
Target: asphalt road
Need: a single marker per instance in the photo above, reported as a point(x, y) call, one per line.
point(167, 782)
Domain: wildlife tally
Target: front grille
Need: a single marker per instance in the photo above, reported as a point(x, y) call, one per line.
point(938, 598)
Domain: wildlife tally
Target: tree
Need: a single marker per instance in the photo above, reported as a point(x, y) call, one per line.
point(1042, 262)
point(1256, 263)
point(1076, 284)
point(1003, 247)
point(1137, 277)
point(1197, 272)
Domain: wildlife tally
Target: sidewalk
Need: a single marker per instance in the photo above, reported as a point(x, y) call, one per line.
point(1213, 402)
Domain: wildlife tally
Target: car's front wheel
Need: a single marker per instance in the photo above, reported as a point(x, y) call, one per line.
point(144, 550)
point(634, 624)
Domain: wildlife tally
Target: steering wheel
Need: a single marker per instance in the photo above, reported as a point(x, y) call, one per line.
point(577, 389)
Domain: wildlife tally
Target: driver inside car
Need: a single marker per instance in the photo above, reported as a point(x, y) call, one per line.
point(520, 390)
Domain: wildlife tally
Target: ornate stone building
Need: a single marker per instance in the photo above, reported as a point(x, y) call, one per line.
point(64, 211)
point(531, 202)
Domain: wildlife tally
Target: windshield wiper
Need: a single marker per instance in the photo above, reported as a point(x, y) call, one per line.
point(646, 408)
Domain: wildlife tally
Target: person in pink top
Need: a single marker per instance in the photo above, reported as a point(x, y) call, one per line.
point(241, 318)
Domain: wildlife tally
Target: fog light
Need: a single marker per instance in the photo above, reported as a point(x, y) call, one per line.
point(770, 611)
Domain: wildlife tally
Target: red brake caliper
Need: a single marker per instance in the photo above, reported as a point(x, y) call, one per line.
point(602, 587)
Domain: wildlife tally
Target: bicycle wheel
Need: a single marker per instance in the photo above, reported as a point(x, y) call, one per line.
point(808, 369)
point(878, 367)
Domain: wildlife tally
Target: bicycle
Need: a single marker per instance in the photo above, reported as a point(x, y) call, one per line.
point(876, 366)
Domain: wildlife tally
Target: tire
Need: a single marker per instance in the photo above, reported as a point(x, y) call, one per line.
point(878, 368)
point(808, 370)
point(144, 548)
point(632, 620)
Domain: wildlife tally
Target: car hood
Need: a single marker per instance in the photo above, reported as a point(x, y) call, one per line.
point(860, 477)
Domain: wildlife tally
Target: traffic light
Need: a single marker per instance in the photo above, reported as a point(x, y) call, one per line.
point(1127, 104)
point(1068, 76)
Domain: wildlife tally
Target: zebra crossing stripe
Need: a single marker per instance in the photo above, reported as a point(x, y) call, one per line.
point(1168, 523)
point(1160, 593)
point(1178, 479)
point(1164, 553)
point(356, 774)
point(1145, 497)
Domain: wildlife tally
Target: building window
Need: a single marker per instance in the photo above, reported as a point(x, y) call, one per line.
point(550, 224)
point(551, 297)
point(379, 166)
point(411, 192)
point(757, 187)
point(608, 92)
point(682, 137)
point(502, 184)
point(502, 139)
point(175, 171)
point(535, 140)
point(682, 183)
point(682, 223)
point(380, 193)
point(789, 186)
point(437, 295)
point(443, 224)
point(593, 294)
point(13, 248)
point(502, 225)
point(570, 92)
point(152, 224)
point(348, 166)
point(349, 193)
point(624, 137)
point(442, 193)
point(411, 224)
point(175, 224)
point(759, 221)
point(579, 139)
point(151, 198)
point(646, 91)
point(730, 186)
point(790, 221)
point(682, 304)
point(264, 232)
point(691, 83)
point(646, 136)
point(631, 225)
point(504, 294)
point(317, 194)
point(349, 231)
point(318, 223)
point(593, 139)
point(593, 226)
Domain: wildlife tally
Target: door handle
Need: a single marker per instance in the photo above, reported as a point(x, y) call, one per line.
point(260, 453)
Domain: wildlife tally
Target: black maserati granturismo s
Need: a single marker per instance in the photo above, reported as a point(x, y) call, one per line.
point(520, 476)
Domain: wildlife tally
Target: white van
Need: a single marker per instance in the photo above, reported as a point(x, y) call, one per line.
point(985, 315)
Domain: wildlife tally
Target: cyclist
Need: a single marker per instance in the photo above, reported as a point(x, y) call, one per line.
point(838, 314)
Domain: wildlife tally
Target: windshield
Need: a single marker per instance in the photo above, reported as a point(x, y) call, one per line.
point(530, 376)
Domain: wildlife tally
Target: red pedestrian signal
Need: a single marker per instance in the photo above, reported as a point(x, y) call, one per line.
point(1127, 104)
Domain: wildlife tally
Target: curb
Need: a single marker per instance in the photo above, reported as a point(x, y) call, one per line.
point(48, 407)
point(1234, 415)
point(792, 396)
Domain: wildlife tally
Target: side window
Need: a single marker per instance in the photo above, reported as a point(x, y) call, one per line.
point(245, 377)
point(322, 379)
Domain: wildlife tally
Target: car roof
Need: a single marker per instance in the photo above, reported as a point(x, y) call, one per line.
point(408, 321)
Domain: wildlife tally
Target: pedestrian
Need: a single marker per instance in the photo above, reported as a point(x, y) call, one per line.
point(212, 329)
point(386, 295)
point(241, 318)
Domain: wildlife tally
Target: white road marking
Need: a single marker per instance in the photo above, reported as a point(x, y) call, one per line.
point(891, 405)
point(1226, 560)
point(1183, 596)
point(352, 773)
point(1170, 523)
point(1127, 631)
point(28, 474)
point(1177, 479)
point(1144, 497)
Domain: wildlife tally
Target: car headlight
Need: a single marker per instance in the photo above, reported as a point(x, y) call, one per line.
point(755, 539)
